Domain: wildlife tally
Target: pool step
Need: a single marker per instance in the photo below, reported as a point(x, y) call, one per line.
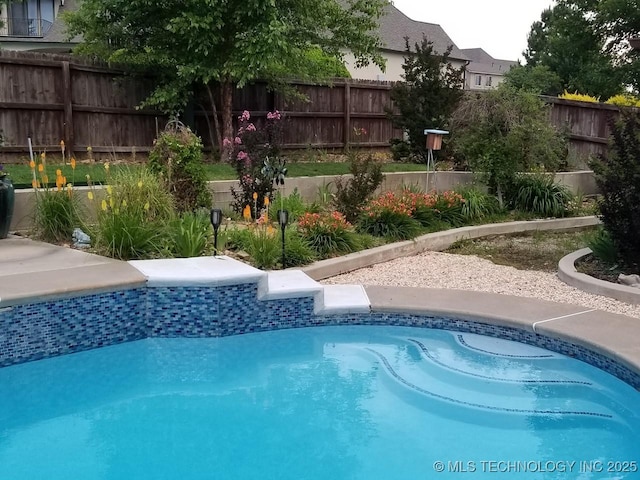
point(273, 285)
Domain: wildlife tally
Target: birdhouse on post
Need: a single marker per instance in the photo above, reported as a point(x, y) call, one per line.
point(434, 138)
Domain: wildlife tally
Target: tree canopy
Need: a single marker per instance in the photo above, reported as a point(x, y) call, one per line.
point(226, 42)
point(585, 43)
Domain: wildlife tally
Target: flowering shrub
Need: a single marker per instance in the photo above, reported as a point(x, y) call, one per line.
point(327, 233)
point(254, 152)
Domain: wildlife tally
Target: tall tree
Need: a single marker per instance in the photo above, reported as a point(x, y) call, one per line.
point(230, 42)
point(429, 94)
point(571, 43)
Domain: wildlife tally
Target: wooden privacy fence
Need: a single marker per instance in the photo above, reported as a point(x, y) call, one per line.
point(50, 98)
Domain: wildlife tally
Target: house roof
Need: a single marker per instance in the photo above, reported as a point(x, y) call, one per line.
point(395, 26)
point(482, 62)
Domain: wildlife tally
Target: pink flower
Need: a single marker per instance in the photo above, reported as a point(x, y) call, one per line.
point(251, 127)
point(245, 116)
point(237, 141)
point(242, 155)
point(226, 142)
point(274, 115)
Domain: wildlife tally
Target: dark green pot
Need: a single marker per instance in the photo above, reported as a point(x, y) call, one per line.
point(7, 198)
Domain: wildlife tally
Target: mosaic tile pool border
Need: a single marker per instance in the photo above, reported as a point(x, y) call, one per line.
point(50, 328)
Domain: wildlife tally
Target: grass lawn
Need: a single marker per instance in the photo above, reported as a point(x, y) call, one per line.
point(21, 174)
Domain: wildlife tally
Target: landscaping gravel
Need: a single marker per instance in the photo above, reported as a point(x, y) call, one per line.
point(468, 272)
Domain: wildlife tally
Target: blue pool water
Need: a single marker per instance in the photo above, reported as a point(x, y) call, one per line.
point(324, 403)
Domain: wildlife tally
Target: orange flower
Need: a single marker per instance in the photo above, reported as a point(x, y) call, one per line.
point(41, 168)
point(255, 195)
point(266, 201)
point(246, 213)
point(73, 163)
point(32, 165)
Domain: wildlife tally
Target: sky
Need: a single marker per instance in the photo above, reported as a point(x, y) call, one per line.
point(500, 27)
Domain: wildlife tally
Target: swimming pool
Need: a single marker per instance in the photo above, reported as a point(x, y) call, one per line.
point(356, 402)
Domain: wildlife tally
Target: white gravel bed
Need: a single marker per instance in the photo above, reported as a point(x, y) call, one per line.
point(468, 272)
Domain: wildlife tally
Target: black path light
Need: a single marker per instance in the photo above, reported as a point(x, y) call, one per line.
point(216, 220)
point(283, 219)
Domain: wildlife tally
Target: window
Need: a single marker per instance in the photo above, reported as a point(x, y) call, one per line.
point(478, 80)
point(488, 82)
point(30, 18)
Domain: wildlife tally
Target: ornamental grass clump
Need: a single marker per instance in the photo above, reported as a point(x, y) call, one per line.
point(328, 234)
point(539, 194)
point(57, 207)
point(134, 217)
point(190, 234)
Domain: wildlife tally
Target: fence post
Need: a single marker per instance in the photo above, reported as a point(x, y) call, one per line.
point(347, 114)
point(67, 100)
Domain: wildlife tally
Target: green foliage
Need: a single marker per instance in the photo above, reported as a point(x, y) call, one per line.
point(264, 247)
point(541, 195)
point(132, 220)
point(537, 79)
point(389, 224)
point(505, 131)
point(177, 157)
point(603, 247)
point(56, 214)
point(429, 94)
point(572, 40)
point(352, 193)
point(297, 249)
point(190, 234)
point(618, 177)
point(293, 203)
point(327, 234)
point(477, 204)
point(190, 44)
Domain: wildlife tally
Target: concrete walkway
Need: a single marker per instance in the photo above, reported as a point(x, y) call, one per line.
point(32, 271)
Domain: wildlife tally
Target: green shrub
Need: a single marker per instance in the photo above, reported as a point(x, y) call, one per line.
point(351, 194)
point(190, 234)
point(264, 247)
point(327, 233)
point(618, 177)
point(603, 247)
point(293, 203)
point(133, 219)
point(477, 204)
point(389, 224)
point(297, 249)
point(541, 195)
point(177, 157)
point(56, 214)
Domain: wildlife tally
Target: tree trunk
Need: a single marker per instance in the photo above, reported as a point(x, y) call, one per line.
point(227, 116)
point(216, 121)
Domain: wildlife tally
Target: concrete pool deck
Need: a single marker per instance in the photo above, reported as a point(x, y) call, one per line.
point(31, 272)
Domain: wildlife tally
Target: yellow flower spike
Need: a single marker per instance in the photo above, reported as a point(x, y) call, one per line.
point(112, 202)
point(104, 205)
point(90, 195)
point(109, 189)
point(246, 213)
point(89, 149)
point(147, 206)
point(41, 168)
point(124, 203)
point(255, 195)
point(106, 166)
point(34, 183)
point(43, 156)
point(73, 163)
point(58, 172)
point(32, 165)
point(69, 188)
point(140, 184)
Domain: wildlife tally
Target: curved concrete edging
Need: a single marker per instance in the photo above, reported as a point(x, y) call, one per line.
point(436, 242)
point(568, 274)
